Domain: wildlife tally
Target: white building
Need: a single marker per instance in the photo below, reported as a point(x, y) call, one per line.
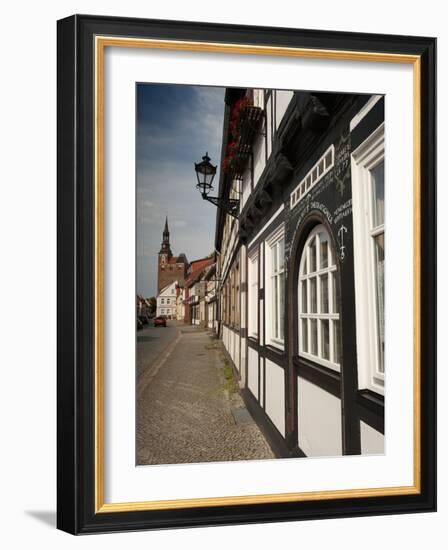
point(180, 306)
point(301, 268)
point(166, 301)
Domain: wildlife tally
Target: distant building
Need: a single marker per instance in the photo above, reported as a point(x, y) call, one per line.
point(180, 306)
point(195, 290)
point(166, 301)
point(211, 298)
point(170, 268)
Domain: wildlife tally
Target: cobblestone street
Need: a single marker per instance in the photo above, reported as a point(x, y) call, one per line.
point(188, 405)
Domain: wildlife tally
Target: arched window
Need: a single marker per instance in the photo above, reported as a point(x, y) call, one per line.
point(319, 324)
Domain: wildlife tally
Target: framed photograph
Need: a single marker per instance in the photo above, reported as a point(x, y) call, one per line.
point(246, 274)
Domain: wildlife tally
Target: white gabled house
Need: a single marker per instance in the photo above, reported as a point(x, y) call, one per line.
point(166, 301)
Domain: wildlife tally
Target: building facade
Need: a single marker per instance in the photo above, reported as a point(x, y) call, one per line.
point(196, 291)
point(180, 305)
point(167, 301)
point(301, 268)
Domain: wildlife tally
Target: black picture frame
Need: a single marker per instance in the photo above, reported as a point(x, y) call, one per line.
point(76, 510)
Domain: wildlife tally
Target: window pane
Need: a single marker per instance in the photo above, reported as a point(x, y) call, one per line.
point(323, 251)
point(255, 314)
point(378, 194)
point(274, 258)
point(328, 159)
point(304, 324)
point(336, 342)
point(324, 293)
point(313, 331)
point(312, 247)
point(335, 294)
point(281, 254)
point(313, 295)
point(304, 263)
point(281, 292)
point(379, 260)
point(275, 306)
point(325, 339)
point(303, 297)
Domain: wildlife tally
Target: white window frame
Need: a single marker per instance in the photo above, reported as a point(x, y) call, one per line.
point(272, 243)
point(253, 286)
point(330, 271)
point(366, 157)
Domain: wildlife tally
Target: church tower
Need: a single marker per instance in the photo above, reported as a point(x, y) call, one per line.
point(167, 271)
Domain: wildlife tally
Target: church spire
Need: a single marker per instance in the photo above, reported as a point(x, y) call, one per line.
point(166, 248)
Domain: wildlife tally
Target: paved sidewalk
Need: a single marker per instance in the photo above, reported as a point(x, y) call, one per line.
point(189, 408)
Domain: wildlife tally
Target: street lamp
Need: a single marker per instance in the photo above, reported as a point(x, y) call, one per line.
point(205, 173)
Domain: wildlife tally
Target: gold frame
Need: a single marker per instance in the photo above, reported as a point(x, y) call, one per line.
point(101, 42)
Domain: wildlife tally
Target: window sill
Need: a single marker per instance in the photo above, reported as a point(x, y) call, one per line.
point(372, 389)
point(276, 345)
point(323, 362)
point(371, 398)
point(371, 408)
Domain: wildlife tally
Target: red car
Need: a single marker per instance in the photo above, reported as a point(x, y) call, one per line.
point(160, 321)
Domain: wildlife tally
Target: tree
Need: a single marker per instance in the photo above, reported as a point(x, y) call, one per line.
point(152, 304)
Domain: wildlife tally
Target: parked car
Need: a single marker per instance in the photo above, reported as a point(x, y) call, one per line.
point(160, 321)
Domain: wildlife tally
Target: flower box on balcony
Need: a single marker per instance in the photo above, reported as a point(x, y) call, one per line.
point(245, 123)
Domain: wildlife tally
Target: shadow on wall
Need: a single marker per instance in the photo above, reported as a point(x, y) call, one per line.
point(48, 517)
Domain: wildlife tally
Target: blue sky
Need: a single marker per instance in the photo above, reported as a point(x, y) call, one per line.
point(176, 125)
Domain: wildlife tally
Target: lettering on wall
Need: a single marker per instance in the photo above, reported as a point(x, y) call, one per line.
point(330, 197)
point(342, 162)
point(342, 211)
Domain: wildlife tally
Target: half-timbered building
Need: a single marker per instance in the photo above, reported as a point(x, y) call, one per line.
point(301, 266)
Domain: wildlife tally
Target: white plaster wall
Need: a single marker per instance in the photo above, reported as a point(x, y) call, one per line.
point(259, 159)
point(246, 188)
point(268, 125)
point(319, 420)
point(275, 395)
point(283, 97)
point(372, 441)
point(236, 351)
point(224, 338)
point(252, 374)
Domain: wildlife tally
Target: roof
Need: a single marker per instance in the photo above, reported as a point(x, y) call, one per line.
point(201, 262)
point(196, 274)
point(211, 270)
point(182, 258)
point(166, 287)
